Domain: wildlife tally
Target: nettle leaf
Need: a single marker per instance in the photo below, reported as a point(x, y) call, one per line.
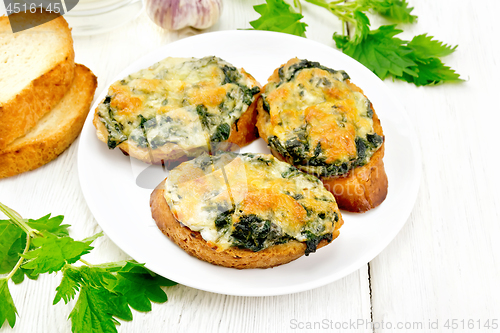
point(140, 286)
point(277, 15)
point(362, 26)
point(107, 291)
point(10, 245)
point(381, 52)
point(13, 242)
point(96, 307)
point(94, 311)
point(52, 225)
point(425, 47)
point(13, 236)
point(51, 253)
point(69, 286)
point(395, 10)
point(7, 308)
point(431, 72)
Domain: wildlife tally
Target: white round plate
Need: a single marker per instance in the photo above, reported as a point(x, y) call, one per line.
point(109, 179)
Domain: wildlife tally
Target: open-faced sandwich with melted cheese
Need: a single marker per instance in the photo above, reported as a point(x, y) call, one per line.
point(245, 210)
point(314, 118)
point(178, 108)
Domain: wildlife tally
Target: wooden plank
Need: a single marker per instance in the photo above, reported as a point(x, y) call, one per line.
point(444, 264)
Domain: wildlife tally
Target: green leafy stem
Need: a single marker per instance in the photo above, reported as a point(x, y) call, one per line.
point(106, 291)
point(416, 61)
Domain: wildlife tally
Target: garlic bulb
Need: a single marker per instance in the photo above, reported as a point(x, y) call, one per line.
point(178, 14)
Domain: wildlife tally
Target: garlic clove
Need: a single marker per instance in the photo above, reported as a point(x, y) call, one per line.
point(178, 14)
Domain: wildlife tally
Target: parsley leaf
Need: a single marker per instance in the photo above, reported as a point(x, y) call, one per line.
point(7, 308)
point(277, 15)
point(380, 51)
point(52, 252)
point(107, 291)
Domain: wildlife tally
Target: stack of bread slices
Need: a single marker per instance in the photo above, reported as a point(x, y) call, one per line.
point(44, 96)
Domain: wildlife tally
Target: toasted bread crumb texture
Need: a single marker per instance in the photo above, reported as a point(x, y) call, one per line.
point(55, 131)
point(178, 105)
point(251, 201)
point(36, 70)
point(192, 242)
point(317, 119)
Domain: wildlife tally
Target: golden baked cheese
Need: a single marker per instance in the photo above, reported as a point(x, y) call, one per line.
point(251, 201)
point(181, 102)
point(317, 120)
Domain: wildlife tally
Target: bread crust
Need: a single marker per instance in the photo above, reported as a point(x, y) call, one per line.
point(243, 132)
point(32, 151)
point(362, 188)
point(233, 257)
point(22, 111)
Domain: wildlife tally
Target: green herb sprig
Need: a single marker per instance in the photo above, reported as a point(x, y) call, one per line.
point(106, 292)
point(416, 61)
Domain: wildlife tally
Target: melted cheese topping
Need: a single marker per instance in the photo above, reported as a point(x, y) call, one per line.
point(188, 102)
point(318, 120)
point(208, 190)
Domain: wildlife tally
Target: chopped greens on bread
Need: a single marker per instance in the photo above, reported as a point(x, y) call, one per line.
point(176, 107)
point(314, 118)
point(317, 120)
point(240, 205)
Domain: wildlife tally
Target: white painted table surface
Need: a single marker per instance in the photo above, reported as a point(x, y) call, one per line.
point(444, 264)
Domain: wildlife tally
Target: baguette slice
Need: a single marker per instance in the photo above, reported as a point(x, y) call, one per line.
point(193, 243)
point(55, 131)
point(36, 69)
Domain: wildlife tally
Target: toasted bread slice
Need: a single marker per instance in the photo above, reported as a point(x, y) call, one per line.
point(55, 131)
point(193, 243)
point(326, 127)
point(36, 69)
point(242, 134)
point(245, 210)
point(179, 108)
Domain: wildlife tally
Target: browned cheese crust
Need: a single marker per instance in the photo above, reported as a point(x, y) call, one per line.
point(22, 112)
point(243, 132)
point(365, 187)
point(55, 131)
point(192, 242)
point(362, 188)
